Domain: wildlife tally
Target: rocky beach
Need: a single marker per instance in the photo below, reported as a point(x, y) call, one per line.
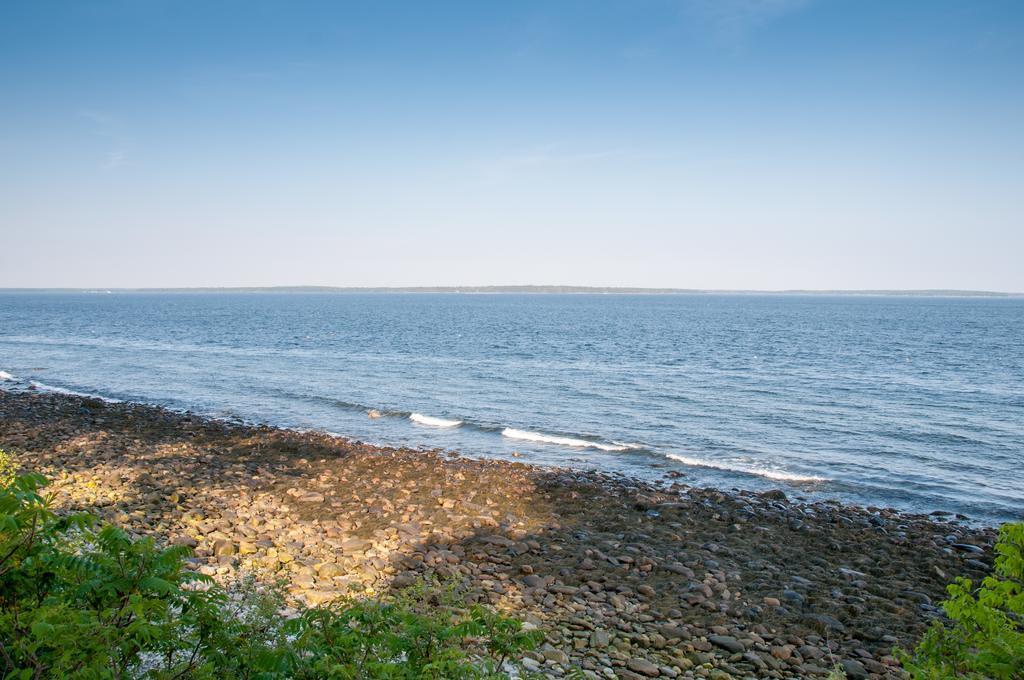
point(628, 579)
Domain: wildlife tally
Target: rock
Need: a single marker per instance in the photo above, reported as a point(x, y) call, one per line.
point(916, 596)
point(355, 545)
point(793, 596)
point(813, 669)
point(727, 642)
point(223, 548)
point(810, 652)
point(774, 495)
point(854, 669)
point(967, 547)
point(827, 621)
point(673, 632)
point(753, 658)
point(315, 598)
point(498, 540)
point(556, 656)
point(599, 638)
point(677, 568)
point(644, 667)
point(404, 580)
point(330, 570)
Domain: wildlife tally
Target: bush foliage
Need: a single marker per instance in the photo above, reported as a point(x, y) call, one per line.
point(85, 600)
point(984, 637)
point(8, 468)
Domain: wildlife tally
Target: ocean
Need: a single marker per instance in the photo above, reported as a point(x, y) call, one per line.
point(908, 402)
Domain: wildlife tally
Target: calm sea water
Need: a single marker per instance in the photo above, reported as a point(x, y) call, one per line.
point(916, 403)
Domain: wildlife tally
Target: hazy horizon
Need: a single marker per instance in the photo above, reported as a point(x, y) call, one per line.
point(522, 288)
point(695, 144)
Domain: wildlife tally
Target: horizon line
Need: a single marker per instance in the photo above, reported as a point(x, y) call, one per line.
point(528, 288)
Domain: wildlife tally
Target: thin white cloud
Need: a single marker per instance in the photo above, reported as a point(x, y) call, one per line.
point(730, 22)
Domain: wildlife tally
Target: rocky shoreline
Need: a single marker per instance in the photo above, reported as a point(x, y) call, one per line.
point(628, 579)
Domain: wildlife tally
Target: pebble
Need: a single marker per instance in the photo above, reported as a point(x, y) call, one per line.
point(727, 642)
point(643, 667)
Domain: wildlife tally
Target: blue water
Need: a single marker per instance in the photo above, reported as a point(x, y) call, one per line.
point(911, 402)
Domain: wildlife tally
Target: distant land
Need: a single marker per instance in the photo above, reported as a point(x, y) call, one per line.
point(603, 290)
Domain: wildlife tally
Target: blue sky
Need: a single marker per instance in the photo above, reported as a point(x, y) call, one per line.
point(696, 143)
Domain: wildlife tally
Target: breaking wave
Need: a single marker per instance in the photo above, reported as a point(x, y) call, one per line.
point(767, 473)
point(43, 387)
point(433, 422)
point(526, 435)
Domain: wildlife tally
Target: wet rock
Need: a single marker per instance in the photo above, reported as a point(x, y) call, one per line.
point(967, 547)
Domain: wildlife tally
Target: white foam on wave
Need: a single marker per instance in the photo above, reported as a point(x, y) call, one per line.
point(43, 387)
point(542, 438)
point(433, 422)
point(4, 375)
point(768, 473)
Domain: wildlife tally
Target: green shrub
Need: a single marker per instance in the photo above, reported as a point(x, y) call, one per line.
point(82, 600)
point(985, 634)
point(8, 468)
point(360, 639)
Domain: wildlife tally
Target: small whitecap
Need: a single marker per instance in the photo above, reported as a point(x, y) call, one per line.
point(433, 422)
point(767, 473)
point(542, 438)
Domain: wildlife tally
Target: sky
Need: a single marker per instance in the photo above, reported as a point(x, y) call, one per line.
point(727, 144)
